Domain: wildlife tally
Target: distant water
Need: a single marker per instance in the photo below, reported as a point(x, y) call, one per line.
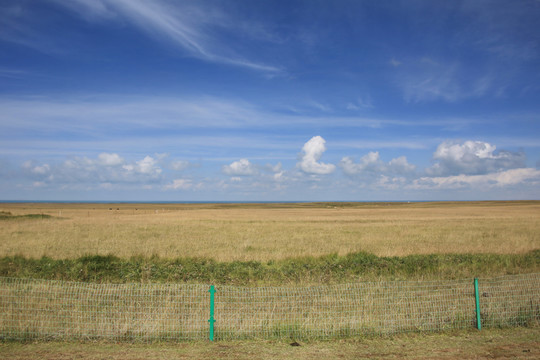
point(213, 202)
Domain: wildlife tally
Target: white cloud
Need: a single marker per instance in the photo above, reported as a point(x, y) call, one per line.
point(180, 165)
point(312, 152)
point(36, 171)
point(493, 180)
point(148, 165)
point(472, 158)
point(179, 184)
point(279, 173)
point(110, 159)
point(41, 169)
point(276, 168)
point(241, 167)
point(279, 176)
point(400, 165)
point(391, 183)
point(106, 168)
point(371, 163)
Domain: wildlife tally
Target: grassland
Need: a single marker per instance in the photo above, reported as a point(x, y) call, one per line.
point(271, 244)
point(268, 232)
point(254, 244)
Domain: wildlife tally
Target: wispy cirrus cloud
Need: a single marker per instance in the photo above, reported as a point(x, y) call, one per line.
point(20, 26)
point(194, 27)
point(91, 112)
point(12, 73)
point(81, 121)
point(487, 57)
point(426, 79)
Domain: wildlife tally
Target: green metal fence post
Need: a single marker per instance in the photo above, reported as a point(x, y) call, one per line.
point(211, 321)
point(477, 297)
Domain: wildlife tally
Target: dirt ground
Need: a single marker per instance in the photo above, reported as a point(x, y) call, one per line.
point(517, 343)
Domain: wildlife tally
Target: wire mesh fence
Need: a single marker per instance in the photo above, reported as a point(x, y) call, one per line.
point(342, 310)
point(43, 309)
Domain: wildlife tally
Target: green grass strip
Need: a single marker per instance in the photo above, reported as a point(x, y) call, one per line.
point(329, 269)
point(6, 215)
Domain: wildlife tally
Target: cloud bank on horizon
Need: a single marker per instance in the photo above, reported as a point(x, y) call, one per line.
point(470, 165)
point(284, 100)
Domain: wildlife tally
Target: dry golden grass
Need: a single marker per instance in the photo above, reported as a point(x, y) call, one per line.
point(265, 232)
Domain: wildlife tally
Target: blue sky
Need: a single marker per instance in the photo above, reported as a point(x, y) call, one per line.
point(133, 100)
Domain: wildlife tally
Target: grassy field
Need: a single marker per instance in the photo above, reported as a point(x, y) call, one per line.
point(517, 343)
point(269, 244)
point(257, 244)
point(268, 232)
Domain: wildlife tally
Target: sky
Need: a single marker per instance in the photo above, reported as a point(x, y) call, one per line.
point(242, 100)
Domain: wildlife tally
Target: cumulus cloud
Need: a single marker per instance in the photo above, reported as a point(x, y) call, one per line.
point(390, 183)
point(241, 167)
point(400, 165)
point(312, 152)
point(148, 166)
point(496, 179)
point(179, 184)
point(371, 163)
point(180, 165)
point(472, 158)
point(110, 159)
point(106, 168)
point(41, 169)
point(30, 167)
point(278, 172)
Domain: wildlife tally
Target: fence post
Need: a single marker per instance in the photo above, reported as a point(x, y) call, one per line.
point(211, 321)
point(477, 298)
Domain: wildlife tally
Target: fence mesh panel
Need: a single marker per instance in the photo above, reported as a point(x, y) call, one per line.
point(510, 300)
point(53, 309)
point(340, 310)
point(44, 309)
